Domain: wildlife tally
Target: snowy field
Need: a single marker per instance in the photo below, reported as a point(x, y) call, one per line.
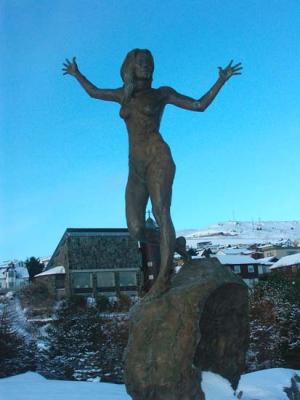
point(261, 385)
point(243, 232)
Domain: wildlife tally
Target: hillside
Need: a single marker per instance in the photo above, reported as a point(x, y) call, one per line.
point(243, 232)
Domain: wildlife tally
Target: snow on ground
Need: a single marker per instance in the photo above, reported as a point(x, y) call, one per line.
point(243, 232)
point(260, 385)
point(266, 384)
point(19, 322)
point(32, 386)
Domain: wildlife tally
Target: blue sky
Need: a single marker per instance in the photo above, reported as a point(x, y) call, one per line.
point(63, 155)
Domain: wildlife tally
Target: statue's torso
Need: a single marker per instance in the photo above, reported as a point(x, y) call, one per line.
point(142, 116)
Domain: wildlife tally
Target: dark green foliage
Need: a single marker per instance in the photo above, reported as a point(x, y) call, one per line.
point(34, 267)
point(123, 303)
point(275, 323)
point(75, 303)
point(17, 354)
point(36, 295)
point(83, 345)
point(102, 303)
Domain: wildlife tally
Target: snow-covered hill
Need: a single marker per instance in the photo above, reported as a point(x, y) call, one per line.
point(262, 385)
point(243, 232)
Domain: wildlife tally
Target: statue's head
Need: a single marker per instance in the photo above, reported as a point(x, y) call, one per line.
point(138, 65)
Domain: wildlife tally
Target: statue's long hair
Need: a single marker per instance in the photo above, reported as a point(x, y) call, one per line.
point(128, 73)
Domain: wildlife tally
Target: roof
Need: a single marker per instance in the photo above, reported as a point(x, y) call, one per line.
point(277, 247)
point(82, 232)
point(75, 231)
point(53, 271)
point(267, 260)
point(287, 261)
point(236, 260)
point(234, 251)
point(151, 224)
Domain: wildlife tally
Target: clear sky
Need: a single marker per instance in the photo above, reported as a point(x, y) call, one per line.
point(63, 155)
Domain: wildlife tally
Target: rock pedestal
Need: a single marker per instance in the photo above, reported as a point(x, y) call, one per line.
point(201, 323)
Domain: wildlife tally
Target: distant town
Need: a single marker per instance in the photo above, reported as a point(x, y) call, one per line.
point(91, 261)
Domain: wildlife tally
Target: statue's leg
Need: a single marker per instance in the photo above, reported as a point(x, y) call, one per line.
point(160, 175)
point(137, 196)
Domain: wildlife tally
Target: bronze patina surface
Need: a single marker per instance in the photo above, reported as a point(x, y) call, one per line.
point(151, 166)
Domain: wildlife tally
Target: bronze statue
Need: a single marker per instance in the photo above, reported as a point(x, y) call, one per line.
point(151, 166)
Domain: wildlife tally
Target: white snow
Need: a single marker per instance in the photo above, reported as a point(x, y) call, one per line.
point(236, 260)
point(293, 259)
point(267, 260)
point(267, 384)
point(262, 385)
point(32, 386)
point(56, 270)
point(234, 251)
point(236, 233)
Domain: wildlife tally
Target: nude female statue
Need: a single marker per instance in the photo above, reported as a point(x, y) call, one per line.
point(151, 167)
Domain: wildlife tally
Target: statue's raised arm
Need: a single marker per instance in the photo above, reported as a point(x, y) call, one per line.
point(71, 68)
point(151, 166)
point(188, 103)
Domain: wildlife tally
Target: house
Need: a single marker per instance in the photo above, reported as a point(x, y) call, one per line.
point(54, 278)
point(13, 275)
point(245, 266)
point(88, 261)
point(288, 265)
point(267, 263)
point(279, 251)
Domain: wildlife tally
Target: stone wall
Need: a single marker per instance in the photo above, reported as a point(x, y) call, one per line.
point(103, 252)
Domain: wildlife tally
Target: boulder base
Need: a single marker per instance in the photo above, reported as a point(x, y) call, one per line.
point(201, 323)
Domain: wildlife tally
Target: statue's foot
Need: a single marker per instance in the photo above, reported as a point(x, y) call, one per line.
point(158, 289)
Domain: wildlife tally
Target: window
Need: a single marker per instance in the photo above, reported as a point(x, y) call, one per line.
point(250, 269)
point(260, 269)
point(237, 269)
point(11, 273)
point(149, 264)
point(105, 279)
point(127, 278)
point(82, 280)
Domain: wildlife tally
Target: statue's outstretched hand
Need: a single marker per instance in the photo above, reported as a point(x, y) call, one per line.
point(230, 70)
point(70, 68)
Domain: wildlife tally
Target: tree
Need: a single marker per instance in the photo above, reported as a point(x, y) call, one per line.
point(82, 345)
point(275, 323)
point(34, 267)
point(17, 355)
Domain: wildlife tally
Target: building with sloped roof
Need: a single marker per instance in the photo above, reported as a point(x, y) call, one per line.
point(288, 265)
point(279, 251)
point(246, 267)
point(13, 275)
point(95, 260)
